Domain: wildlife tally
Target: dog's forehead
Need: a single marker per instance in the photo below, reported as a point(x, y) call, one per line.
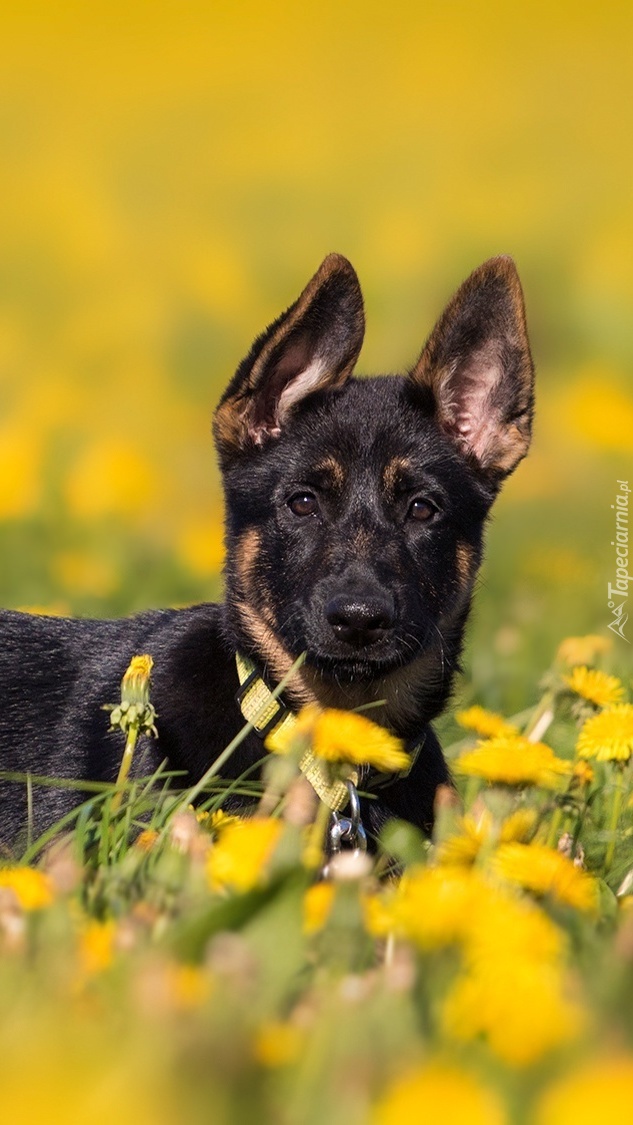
point(370, 425)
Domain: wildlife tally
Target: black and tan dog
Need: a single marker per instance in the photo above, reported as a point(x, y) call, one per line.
point(355, 510)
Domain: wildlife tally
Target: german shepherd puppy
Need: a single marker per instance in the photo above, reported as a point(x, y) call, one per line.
point(355, 510)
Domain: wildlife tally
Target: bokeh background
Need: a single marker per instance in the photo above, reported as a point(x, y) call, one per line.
point(173, 172)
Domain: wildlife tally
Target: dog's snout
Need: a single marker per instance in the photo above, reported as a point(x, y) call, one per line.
point(359, 621)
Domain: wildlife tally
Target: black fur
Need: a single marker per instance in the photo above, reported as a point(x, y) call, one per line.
point(355, 512)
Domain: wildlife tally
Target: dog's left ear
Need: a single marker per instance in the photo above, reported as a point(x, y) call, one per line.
point(476, 371)
point(312, 346)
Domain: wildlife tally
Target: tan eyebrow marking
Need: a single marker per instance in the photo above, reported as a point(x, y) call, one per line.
point(333, 468)
point(392, 470)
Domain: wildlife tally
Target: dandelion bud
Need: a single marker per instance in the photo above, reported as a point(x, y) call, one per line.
point(135, 709)
point(135, 683)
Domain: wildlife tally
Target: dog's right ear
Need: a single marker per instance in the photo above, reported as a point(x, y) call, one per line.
point(476, 370)
point(312, 346)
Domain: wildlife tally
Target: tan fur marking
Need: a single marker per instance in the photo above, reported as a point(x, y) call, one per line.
point(246, 556)
point(228, 426)
point(464, 561)
point(334, 469)
point(446, 799)
point(392, 470)
point(267, 614)
point(272, 653)
point(514, 446)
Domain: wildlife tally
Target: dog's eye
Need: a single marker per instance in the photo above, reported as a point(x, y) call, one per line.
point(303, 504)
point(422, 510)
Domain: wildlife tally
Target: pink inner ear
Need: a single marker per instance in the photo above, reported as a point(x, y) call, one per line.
point(296, 375)
point(306, 381)
point(468, 408)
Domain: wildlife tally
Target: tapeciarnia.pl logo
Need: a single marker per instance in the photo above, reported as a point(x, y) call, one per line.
point(618, 591)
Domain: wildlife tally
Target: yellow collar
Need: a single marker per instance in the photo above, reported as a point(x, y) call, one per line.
point(266, 713)
point(259, 707)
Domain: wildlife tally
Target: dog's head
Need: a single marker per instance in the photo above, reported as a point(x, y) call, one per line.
point(355, 507)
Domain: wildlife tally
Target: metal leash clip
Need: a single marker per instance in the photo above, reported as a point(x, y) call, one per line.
point(347, 831)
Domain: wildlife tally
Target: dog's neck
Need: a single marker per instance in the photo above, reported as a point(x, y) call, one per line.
point(406, 699)
point(411, 696)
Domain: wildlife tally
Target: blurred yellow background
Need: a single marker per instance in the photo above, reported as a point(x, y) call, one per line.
point(172, 174)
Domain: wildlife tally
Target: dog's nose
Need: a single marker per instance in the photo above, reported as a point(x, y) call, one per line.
point(359, 621)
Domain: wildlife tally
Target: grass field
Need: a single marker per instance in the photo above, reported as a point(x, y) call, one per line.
point(162, 963)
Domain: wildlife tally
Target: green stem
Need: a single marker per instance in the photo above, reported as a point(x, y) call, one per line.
point(542, 717)
point(470, 796)
point(55, 829)
point(315, 848)
point(616, 808)
point(124, 768)
point(554, 828)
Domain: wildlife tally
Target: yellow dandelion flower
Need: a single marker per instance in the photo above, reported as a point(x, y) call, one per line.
point(518, 826)
point(33, 889)
point(473, 832)
point(343, 736)
point(238, 860)
point(608, 736)
point(278, 1044)
point(439, 907)
point(505, 927)
point(594, 1091)
point(214, 822)
point(317, 905)
point(506, 938)
point(583, 773)
point(596, 686)
point(545, 871)
point(486, 723)
point(96, 946)
point(582, 650)
point(513, 761)
point(433, 906)
point(146, 839)
point(294, 736)
point(378, 916)
point(464, 846)
point(517, 1004)
point(439, 1091)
